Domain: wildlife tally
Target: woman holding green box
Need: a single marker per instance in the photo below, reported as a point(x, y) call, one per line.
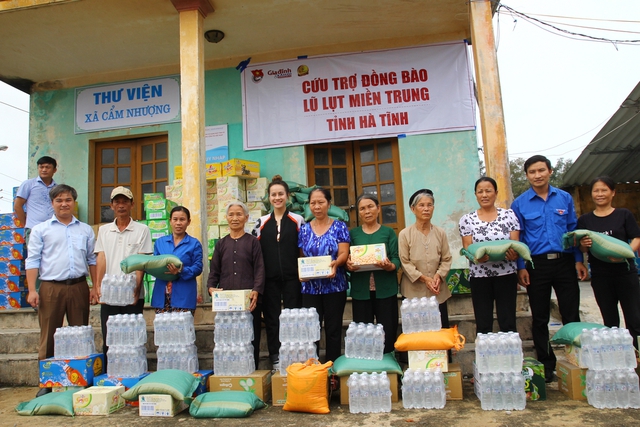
point(375, 293)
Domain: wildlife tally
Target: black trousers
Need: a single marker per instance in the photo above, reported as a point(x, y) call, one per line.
point(609, 290)
point(330, 309)
point(559, 274)
point(107, 310)
point(385, 311)
point(501, 289)
point(278, 293)
point(257, 328)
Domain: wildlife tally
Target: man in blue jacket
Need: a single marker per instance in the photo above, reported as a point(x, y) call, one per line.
point(545, 214)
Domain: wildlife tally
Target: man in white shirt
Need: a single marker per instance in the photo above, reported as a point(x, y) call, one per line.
point(116, 241)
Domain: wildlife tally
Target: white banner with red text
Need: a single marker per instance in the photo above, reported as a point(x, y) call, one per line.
point(415, 90)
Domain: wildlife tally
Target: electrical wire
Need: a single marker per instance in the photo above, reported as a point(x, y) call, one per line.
point(8, 176)
point(13, 106)
point(566, 33)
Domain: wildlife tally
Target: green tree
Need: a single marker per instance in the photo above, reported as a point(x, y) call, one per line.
point(519, 182)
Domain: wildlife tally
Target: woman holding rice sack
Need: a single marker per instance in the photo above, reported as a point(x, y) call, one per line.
point(182, 293)
point(424, 254)
point(278, 236)
point(375, 293)
point(615, 281)
point(492, 281)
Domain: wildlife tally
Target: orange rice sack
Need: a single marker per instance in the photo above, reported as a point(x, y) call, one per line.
point(444, 339)
point(307, 387)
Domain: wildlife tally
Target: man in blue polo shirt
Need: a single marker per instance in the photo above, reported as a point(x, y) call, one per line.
point(33, 194)
point(545, 214)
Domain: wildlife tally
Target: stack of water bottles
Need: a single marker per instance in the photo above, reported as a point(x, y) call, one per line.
point(423, 389)
point(498, 379)
point(126, 338)
point(364, 341)
point(420, 315)
point(611, 379)
point(118, 289)
point(233, 351)
point(299, 330)
point(369, 393)
point(175, 335)
point(73, 341)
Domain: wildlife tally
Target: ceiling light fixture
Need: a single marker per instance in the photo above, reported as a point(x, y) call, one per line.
point(214, 36)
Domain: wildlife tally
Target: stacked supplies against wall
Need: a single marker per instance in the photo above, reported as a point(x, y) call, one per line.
point(13, 252)
point(157, 209)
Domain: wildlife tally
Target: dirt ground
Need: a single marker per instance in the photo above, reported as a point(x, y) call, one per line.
point(557, 410)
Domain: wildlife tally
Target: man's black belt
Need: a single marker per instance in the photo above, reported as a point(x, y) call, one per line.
point(68, 281)
point(551, 255)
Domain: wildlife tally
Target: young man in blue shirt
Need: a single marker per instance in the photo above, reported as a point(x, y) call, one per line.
point(545, 214)
point(33, 194)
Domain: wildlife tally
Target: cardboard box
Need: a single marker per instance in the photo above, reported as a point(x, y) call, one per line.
point(534, 385)
point(231, 181)
point(11, 300)
point(257, 206)
point(429, 359)
point(15, 252)
point(63, 389)
point(259, 383)
point(157, 214)
point(366, 256)
point(12, 237)
point(224, 230)
point(203, 378)
point(257, 184)
point(458, 281)
point(177, 172)
point(256, 195)
point(222, 218)
point(10, 268)
point(106, 380)
point(213, 232)
point(572, 380)
point(98, 400)
point(241, 168)
point(11, 284)
point(315, 267)
point(158, 228)
point(212, 171)
point(160, 405)
point(453, 382)
point(148, 197)
point(231, 300)
point(211, 185)
point(279, 389)
point(70, 372)
point(344, 388)
point(231, 194)
point(254, 215)
point(9, 221)
point(574, 355)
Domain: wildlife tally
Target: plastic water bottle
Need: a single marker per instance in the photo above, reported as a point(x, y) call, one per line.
point(368, 342)
point(406, 316)
point(379, 338)
point(630, 360)
point(486, 387)
point(520, 397)
point(633, 388)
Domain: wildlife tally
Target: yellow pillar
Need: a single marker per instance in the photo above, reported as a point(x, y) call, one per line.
point(496, 157)
point(192, 14)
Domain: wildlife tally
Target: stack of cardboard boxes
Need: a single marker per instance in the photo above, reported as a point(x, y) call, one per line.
point(13, 252)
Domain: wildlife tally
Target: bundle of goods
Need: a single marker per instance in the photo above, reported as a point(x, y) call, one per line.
point(73, 341)
point(118, 289)
point(299, 330)
point(420, 314)
point(423, 389)
point(175, 335)
point(126, 338)
point(369, 393)
point(233, 352)
point(611, 359)
point(364, 341)
point(498, 379)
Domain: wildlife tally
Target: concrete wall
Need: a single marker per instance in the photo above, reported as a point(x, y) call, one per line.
point(446, 163)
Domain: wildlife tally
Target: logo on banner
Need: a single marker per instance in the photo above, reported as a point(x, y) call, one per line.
point(257, 75)
point(303, 70)
point(282, 73)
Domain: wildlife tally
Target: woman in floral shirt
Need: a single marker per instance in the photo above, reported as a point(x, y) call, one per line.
point(492, 281)
point(325, 236)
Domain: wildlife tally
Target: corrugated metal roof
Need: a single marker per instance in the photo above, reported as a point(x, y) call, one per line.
point(615, 150)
